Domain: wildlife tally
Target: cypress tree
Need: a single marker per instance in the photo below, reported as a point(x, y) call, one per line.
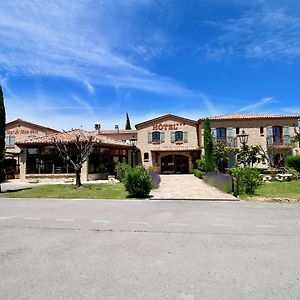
point(208, 147)
point(128, 125)
point(2, 136)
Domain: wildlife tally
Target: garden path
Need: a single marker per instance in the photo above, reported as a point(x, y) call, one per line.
point(187, 187)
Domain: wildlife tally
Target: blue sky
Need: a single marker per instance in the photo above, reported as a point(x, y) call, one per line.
point(67, 64)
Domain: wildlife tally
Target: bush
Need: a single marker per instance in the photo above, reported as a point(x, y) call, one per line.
point(121, 169)
point(293, 161)
point(247, 179)
point(295, 173)
point(138, 182)
point(221, 181)
point(198, 173)
point(200, 164)
point(155, 179)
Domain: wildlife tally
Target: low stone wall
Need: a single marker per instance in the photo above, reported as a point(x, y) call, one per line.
point(49, 177)
point(98, 176)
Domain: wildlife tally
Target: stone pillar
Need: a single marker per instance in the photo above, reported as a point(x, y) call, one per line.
point(23, 160)
point(85, 170)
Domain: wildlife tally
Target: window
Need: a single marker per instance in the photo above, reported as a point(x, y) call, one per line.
point(10, 141)
point(146, 156)
point(237, 130)
point(221, 134)
point(155, 137)
point(261, 130)
point(277, 134)
point(178, 136)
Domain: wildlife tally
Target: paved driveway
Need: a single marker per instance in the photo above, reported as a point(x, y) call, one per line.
point(187, 186)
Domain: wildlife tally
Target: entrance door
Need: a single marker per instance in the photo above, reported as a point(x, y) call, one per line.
point(175, 164)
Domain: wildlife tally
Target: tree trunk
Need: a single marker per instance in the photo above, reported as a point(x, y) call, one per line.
point(78, 180)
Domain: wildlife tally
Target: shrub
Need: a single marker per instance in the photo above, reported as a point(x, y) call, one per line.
point(248, 180)
point(121, 169)
point(138, 182)
point(155, 179)
point(198, 173)
point(295, 173)
point(293, 161)
point(200, 164)
point(221, 181)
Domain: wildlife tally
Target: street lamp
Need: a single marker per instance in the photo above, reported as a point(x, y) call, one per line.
point(243, 137)
point(133, 150)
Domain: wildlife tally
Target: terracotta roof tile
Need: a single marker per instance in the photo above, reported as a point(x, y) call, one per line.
point(239, 116)
point(71, 136)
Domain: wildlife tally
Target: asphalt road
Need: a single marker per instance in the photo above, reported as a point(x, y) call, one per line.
point(62, 249)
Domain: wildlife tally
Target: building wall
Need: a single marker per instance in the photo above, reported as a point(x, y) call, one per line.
point(164, 126)
point(252, 128)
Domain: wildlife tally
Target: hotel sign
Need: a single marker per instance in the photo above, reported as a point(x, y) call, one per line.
point(167, 126)
point(21, 131)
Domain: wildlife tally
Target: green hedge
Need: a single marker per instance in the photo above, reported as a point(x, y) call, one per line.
point(138, 182)
point(293, 161)
point(198, 173)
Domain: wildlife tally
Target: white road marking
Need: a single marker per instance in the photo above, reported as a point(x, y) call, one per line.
point(32, 218)
point(179, 224)
point(5, 218)
point(223, 225)
point(143, 223)
point(65, 220)
point(100, 221)
point(265, 226)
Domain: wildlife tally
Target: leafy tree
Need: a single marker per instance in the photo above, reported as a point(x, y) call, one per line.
point(75, 152)
point(251, 155)
point(208, 147)
point(2, 137)
point(128, 125)
point(296, 138)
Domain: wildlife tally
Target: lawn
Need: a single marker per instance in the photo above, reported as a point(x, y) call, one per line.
point(289, 189)
point(88, 191)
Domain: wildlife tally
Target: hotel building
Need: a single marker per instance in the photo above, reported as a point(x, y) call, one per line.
point(167, 144)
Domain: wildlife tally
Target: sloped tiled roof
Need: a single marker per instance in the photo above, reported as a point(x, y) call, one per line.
point(239, 116)
point(71, 136)
point(164, 117)
point(30, 124)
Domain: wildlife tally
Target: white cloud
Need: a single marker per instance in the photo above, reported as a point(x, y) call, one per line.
point(257, 106)
point(266, 33)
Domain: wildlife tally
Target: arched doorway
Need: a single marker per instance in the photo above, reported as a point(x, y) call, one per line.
point(176, 164)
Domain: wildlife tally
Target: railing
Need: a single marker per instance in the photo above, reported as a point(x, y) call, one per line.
point(279, 141)
point(227, 141)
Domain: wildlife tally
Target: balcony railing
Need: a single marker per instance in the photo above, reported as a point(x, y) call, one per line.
point(279, 141)
point(227, 141)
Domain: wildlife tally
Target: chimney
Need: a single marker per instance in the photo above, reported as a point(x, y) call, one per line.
point(97, 127)
point(117, 128)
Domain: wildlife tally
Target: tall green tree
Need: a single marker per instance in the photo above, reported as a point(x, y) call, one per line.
point(2, 136)
point(128, 125)
point(208, 147)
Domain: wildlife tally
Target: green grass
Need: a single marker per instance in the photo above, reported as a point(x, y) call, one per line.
point(88, 191)
point(289, 189)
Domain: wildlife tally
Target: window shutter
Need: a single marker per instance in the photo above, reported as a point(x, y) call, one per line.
point(286, 130)
point(185, 137)
point(214, 132)
point(162, 137)
point(286, 135)
point(230, 136)
point(149, 137)
point(269, 135)
point(172, 136)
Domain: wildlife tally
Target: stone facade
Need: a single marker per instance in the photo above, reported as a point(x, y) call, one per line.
point(165, 137)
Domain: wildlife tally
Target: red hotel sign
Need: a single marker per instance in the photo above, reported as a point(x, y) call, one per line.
point(166, 126)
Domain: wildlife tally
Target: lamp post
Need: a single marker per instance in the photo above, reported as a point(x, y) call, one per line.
point(133, 150)
point(243, 137)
